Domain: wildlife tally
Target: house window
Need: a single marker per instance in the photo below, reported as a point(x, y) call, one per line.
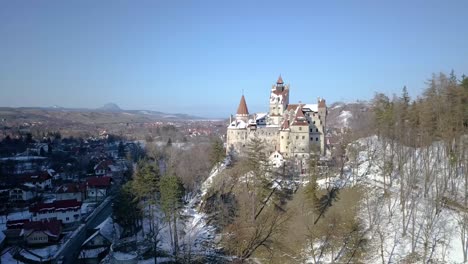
point(300, 128)
point(316, 130)
point(297, 137)
point(314, 122)
point(281, 137)
point(67, 218)
point(303, 137)
point(311, 130)
point(316, 139)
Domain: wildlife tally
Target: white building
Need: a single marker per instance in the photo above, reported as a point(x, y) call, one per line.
point(67, 211)
point(21, 194)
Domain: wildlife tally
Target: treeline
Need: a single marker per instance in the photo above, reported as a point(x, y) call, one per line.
point(441, 113)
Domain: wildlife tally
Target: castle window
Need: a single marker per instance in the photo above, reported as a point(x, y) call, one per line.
point(311, 139)
point(300, 128)
point(311, 130)
point(303, 137)
point(297, 137)
point(316, 139)
point(316, 130)
point(320, 122)
point(314, 122)
point(282, 137)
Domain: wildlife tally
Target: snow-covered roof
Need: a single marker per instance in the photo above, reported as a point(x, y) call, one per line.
point(238, 124)
point(312, 107)
point(261, 116)
point(91, 253)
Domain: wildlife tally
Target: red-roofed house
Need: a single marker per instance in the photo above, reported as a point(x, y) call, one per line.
point(102, 168)
point(14, 231)
point(71, 191)
point(67, 211)
point(42, 232)
point(40, 179)
point(98, 187)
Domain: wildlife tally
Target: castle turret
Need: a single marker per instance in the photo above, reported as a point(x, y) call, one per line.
point(279, 99)
point(322, 112)
point(242, 111)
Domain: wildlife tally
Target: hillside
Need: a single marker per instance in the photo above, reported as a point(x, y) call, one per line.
point(110, 113)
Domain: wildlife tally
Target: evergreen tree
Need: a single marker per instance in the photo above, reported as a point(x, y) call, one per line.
point(172, 192)
point(145, 187)
point(218, 153)
point(126, 211)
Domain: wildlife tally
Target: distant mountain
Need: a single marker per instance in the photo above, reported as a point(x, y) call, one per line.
point(110, 107)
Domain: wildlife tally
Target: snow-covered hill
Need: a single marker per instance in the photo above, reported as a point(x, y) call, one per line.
point(412, 207)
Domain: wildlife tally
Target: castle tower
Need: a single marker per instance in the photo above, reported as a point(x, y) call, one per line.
point(279, 100)
point(322, 112)
point(242, 111)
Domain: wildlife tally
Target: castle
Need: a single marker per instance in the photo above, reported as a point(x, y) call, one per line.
point(290, 130)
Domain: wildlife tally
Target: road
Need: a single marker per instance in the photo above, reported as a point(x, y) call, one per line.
point(70, 251)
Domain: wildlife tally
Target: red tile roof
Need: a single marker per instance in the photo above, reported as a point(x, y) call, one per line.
point(292, 107)
point(99, 181)
point(35, 177)
point(52, 227)
point(300, 119)
point(70, 188)
point(242, 109)
point(62, 205)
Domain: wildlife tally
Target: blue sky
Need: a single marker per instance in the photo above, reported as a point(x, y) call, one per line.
point(197, 56)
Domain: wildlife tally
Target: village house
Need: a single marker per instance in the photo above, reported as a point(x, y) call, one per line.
point(97, 188)
point(22, 194)
point(67, 211)
point(40, 180)
point(22, 164)
point(42, 232)
point(97, 245)
point(14, 231)
point(102, 168)
point(70, 191)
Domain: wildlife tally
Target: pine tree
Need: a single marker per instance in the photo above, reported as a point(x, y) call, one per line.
point(172, 191)
point(218, 152)
point(126, 211)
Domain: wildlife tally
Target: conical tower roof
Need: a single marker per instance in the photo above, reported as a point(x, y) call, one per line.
point(242, 109)
point(280, 80)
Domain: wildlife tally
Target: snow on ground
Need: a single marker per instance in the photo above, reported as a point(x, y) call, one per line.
point(87, 207)
point(425, 230)
point(7, 257)
point(344, 117)
point(38, 254)
point(125, 256)
point(214, 172)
